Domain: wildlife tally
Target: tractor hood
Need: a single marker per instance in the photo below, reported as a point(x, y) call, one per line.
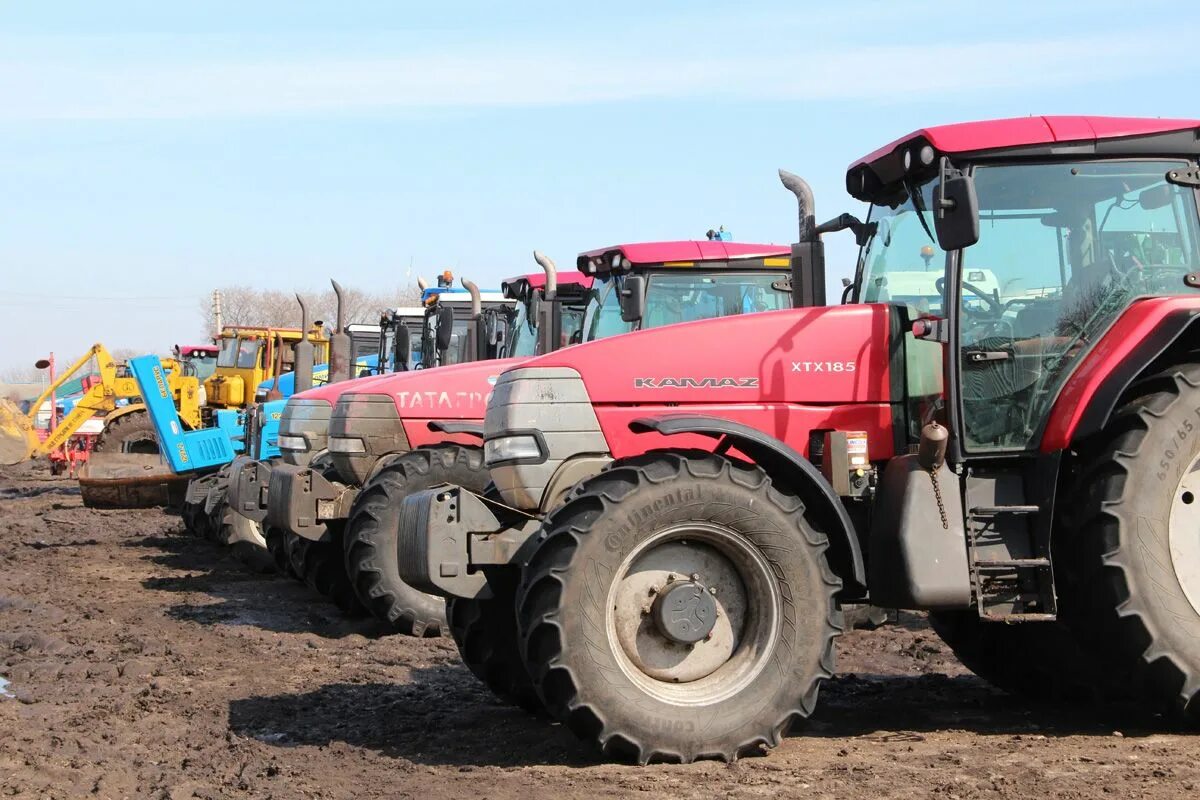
point(835, 354)
point(456, 391)
point(393, 414)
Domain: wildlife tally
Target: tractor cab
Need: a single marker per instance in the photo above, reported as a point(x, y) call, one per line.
point(248, 356)
point(398, 345)
point(462, 324)
point(1040, 253)
point(648, 285)
point(549, 311)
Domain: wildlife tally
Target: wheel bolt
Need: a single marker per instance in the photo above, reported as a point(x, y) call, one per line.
point(653, 591)
point(712, 590)
point(696, 577)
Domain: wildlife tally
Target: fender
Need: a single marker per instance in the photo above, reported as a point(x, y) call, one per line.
point(781, 460)
point(1141, 336)
point(451, 427)
point(124, 411)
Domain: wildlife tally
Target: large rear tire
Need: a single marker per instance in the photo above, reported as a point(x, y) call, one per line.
point(1134, 561)
point(679, 607)
point(485, 632)
point(372, 533)
point(1040, 661)
point(128, 433)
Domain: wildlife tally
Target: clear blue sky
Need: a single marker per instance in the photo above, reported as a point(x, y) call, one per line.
point(150, 151)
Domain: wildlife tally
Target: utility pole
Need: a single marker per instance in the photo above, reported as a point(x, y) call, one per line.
point(216, 311)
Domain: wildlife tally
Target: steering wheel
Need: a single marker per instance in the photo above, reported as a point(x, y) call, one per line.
point(994, 306)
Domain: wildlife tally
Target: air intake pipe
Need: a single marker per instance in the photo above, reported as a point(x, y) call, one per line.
point(339, 341)
point(304, 352)
point(808, 253)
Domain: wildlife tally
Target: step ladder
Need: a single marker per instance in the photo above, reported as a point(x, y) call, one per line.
point(1009, 547)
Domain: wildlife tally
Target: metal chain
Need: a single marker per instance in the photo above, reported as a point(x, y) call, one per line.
point(937, 492)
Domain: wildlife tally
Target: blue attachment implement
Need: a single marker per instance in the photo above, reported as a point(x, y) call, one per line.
point(184, 451)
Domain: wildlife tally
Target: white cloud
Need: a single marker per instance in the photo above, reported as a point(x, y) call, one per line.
point(41, 86)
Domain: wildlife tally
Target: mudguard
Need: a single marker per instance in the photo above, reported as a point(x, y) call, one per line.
point(787, 467)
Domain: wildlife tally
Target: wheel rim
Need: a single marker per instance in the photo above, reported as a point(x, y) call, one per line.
point(1184, 533)
point(693, 614)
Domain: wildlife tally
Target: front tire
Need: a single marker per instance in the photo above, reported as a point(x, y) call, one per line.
point(679, 607)
point(1135, 558)
point(373, 529)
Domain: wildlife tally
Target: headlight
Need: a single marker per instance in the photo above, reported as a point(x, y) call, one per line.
point(293, 443)
point(523, 447)
point(338, 444)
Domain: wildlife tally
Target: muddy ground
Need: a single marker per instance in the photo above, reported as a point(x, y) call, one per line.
point(144, 663)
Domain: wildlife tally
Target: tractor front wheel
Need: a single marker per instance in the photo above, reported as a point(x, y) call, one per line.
point(679, 607)
point(372, 533)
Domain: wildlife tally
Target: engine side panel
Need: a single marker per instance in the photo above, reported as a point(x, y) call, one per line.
point(836, 354)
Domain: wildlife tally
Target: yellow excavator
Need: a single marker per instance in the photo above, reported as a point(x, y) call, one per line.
point(19, 440)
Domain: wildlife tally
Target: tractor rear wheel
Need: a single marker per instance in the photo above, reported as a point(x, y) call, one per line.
point(1041, 661)
point(128, 433)
point(1133, 563)
point(372, 533)
point(485, 632)
point(679, 607)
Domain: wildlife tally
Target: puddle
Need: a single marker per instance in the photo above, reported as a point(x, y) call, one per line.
point(4, 692)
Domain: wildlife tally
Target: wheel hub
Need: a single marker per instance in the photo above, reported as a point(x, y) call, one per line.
point(1184, 534)
point(685, 612)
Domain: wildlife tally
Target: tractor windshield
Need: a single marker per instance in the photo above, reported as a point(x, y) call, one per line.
point(522, 341)
point(900, 264)
point(240, 353)
point(683, 296)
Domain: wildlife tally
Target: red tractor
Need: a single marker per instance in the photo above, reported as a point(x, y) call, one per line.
point(408, 432)
point(1008, 439)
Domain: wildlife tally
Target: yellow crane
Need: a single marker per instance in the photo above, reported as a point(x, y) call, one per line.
point(18, 435)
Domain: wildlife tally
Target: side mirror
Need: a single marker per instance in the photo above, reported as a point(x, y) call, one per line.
point(633, 298)
point(400, 349)
point(956, 205)
point(445, 329)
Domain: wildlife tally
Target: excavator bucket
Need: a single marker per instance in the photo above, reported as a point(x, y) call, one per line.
point(18, 439)
point(130, 480)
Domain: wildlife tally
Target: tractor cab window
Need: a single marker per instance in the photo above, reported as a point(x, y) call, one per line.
point(240, 353)
point(602, 317)
point(683, 297)
point(900, 263)
point(522, 341)
point(1063, 250)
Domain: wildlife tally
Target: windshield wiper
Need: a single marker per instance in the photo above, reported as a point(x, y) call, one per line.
point(919, 205)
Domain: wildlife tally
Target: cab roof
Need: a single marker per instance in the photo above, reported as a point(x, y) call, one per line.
point(681, 253)
point(518, 286)
point(1039, 136)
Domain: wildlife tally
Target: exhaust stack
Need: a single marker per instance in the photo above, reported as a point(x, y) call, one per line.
point(547, 264)
point(808, 253)
point(339, 342)
point(304, 352)
point(274, 393)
